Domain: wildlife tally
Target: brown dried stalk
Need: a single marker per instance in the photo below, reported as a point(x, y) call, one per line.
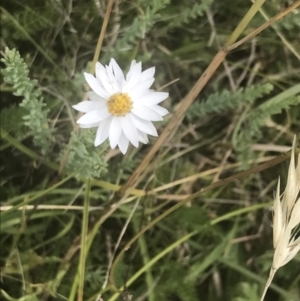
point(175, 122)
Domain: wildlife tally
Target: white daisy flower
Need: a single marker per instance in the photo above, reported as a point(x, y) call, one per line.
point(122, 108)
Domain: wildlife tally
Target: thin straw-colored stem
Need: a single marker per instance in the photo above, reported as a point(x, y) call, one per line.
point(271, 276)
point(265, 25)
point(244, 22)
point(102, 34)
point(177, 118)
point(51, 207)
point(83, 253)
point(200, 84)
point(95, 59)
point(28, 200)
point(117, 246)
point(171, 247)
point(281, 36)
point(233, 178)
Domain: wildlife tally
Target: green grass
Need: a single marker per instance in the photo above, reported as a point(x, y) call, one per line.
point(196, 221)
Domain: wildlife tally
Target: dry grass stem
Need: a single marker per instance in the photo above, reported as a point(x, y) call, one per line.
point(176, 120)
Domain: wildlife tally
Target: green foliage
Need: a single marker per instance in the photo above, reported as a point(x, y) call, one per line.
point(83, 157)
point(11, 120)
point(43, 217)
point(292, 22)
point(188, 218)
point(29, 297)
point(16, 74)
point(171, 284)
point(30, 260)
point(247, 292)
point(266, 110)
point(252, 121)
point(142, 24)
point(184, 14)
point(221, 102)
point(251, 125)
point(30, 19)
point(94, 276)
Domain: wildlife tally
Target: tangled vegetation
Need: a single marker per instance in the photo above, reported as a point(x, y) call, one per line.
point(195, 223)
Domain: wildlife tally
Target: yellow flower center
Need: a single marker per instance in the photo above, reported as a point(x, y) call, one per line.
point(119, 104)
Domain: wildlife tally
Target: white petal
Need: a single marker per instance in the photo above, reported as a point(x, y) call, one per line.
point(100, 72)
point(123, 144)
point(143, 137)
point(130, 84)
point(141, 88)
point(143, 125)
point(113, 81)
point(94, 96)
point(149, 73)
point(110, 66)
point(135, 69)
point(102, 131)
point(160, 110)
point(152, 98)
point(132, 63)
point(110, 87)
point(129, 73)
point(95, 86)
point(130, 130)
point(90, 125)
point(145, 113)
point(115, 131)
point(133, 77)
point(94, 116)
point(102, 77)
point(117, 71)
point(89, 105)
